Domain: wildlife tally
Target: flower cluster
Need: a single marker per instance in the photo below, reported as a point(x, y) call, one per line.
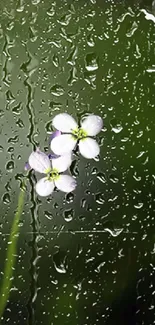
point(67, 136)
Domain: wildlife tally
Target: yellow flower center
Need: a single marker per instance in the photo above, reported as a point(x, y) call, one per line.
point(48, 170)
point(79, 134)
point(53, 175)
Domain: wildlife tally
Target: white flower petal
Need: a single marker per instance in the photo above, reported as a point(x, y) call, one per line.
point(39, 161)
point(44, 187)
point(92, 124)
point(63, 144)
point(62, 163)
point(89, 148)
point(66, 183)
point(64, 122)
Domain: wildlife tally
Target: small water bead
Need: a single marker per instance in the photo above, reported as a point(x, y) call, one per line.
point(113, 179)
point(1, 113)
point(55, 60)
point(99, 198)
point(57, 90)
point(10, 166)
point(139, 205)
point(82, 218)
point(94, 171)
point(6, 198)
point(55, 205)
point(48, 215)
point(83, 203)
point(51, 11)
point(10, 149)
point(20, 123)
point(48, 127)
point(17, 109)
point(116, 126)
point(69, 197)
point(74, 168)
point(7, 187)
point(101, 177)
point(90, 40)
point(68, 215)
point(91, 62)
point(13, 140)
point(65, 19)
point(35, 2)
point(114, 232)
point(59, 262)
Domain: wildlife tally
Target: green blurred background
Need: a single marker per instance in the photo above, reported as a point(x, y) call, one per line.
point(85, 258)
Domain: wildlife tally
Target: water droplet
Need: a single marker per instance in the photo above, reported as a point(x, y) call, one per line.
point(48, 127)
point(83, 203)
point(13, 140)
point(132, 29)
point(20, 123)
point(90, 40)
point(69, 197)
point(91, 62)
point(72, 56)
point(8, 187)
point(17, 109)
point(114, 230)
point(31, 65)
point(20, 6)
point(129, 12)
point(98, 268)
point(10, 166)
point(35, 2)
point(116, 126)
point(54, 106)
point(82, 218)
point(101, 177)
point(65, 19)
point(68, 215)
point(55, 60)
point(59, 262)
point(6, 198)
point(1, 113)
point(10, 149)
point(136, 177)
point(32, 34)
point(9, 97)
point(57, 90)
point(138, 205)
point(73, 76)
point(74, 168)
point(94, 171)
point(51, 11)
point(10, 25)
point(99, 198)
point(113, 179)
point(90, 78)
point(48, 215)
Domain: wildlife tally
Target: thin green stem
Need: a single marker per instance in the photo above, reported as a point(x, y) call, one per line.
point(11, 255)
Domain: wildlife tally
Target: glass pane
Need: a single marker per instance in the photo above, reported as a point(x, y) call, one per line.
point(86, 257)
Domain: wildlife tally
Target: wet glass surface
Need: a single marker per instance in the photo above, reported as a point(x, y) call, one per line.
point(85, 257)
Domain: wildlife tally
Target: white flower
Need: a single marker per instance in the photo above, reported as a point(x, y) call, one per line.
point(90, 126)
point(41, 163)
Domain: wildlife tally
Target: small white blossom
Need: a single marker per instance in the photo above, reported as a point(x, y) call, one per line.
point(65, 143)
point(53, 168)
